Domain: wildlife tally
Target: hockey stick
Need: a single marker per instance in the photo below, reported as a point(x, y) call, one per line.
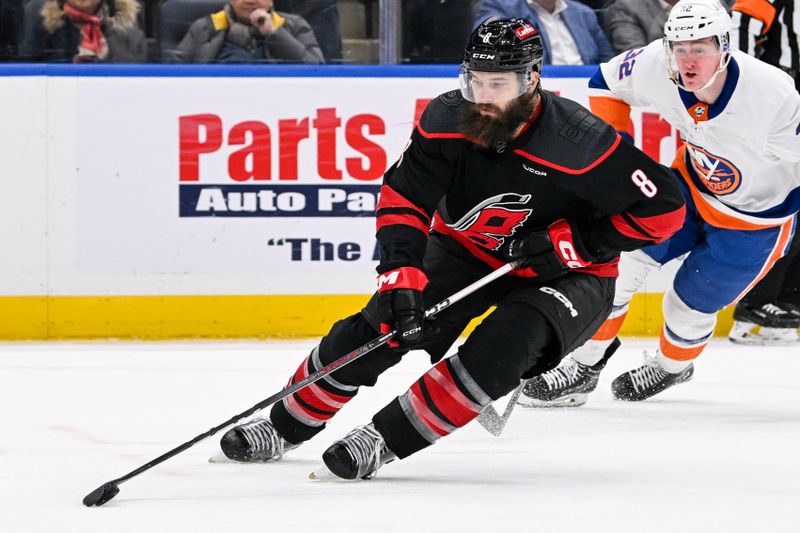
point(492, 421)
point(108, 490)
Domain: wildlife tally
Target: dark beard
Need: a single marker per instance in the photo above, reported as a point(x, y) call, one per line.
point(498, 129)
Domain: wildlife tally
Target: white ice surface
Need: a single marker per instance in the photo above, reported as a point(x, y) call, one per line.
point(719, 454)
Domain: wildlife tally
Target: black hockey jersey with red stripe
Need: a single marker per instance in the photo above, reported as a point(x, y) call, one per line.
point(565, 164)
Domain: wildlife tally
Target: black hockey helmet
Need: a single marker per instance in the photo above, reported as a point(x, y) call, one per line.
point(502, 45)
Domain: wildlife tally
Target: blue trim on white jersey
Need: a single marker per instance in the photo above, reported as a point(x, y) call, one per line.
point(598, 81)
point(789, 206)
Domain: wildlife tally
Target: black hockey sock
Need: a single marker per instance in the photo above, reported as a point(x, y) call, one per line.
point(444, 399)
point(303, 414)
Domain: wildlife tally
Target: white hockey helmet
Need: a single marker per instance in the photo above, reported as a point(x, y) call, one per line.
point(696, 19)
point(690, 20)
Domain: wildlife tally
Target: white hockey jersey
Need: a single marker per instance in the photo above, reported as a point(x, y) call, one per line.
point(741, 155)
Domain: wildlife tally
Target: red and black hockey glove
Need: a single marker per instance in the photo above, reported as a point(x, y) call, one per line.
point(400, 305)
point(550, 252)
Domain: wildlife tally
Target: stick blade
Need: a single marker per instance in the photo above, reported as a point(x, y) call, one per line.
point(491, 421)
point(101, 495)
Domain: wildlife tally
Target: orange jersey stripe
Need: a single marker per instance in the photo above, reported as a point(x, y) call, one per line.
point(613, 110)
point(777, 253)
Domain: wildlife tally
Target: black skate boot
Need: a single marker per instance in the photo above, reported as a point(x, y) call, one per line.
point(568, 385)
point(256, 441)
point(358, 455)
point(778, 323)
point(647, 380)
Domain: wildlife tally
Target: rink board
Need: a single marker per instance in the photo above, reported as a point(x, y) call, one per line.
point(173, 317)
point(168, 202)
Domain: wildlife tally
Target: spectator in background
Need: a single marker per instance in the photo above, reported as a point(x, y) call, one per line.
point(323, 17)
point(635, 23)
point(83, 31)
point(435, 32)
point(571, 32)
point(10, 27)
point(249, 31)
point(596, 4)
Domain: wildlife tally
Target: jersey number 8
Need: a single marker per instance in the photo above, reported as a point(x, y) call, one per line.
point(641, 180)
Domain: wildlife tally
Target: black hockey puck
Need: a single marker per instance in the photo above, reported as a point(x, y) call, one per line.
point(101, 495)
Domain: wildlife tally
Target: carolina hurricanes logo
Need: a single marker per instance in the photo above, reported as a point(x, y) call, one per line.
point(719, 175)
point(490, 222)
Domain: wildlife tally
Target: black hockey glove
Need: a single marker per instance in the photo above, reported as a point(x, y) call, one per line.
point(550, 252)
point(401, 307)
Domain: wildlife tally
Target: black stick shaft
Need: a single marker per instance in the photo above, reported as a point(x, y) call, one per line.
point(319, 374)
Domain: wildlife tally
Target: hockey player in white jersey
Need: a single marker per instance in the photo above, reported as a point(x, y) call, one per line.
point(739, 171)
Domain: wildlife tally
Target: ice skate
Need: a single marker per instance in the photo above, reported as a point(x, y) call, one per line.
point(778, 325)
point(752, 334)
point(568, 385)
point(358, 455)
point(647, 380)
point(256, 441)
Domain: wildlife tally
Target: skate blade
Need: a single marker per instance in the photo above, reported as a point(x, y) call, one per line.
point(323, 474)
point(570, 400)
point(760, 341)
point(219, 458)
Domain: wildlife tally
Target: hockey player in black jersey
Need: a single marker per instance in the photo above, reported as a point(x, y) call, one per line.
point(500, 170)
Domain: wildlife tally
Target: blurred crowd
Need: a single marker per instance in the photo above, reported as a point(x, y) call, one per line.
point(308, 31)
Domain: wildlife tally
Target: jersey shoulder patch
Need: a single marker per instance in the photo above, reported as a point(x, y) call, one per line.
point(441, 114)
point(568, 135)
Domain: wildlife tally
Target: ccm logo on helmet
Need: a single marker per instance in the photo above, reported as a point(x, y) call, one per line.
point(483, 56)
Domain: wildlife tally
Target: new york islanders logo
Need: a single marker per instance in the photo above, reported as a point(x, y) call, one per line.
point(719, 175)
point(491, 221)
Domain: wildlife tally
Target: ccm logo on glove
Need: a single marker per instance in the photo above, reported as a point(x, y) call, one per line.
point(561, 235)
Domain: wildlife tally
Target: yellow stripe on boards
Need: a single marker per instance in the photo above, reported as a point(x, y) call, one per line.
point(178, 317)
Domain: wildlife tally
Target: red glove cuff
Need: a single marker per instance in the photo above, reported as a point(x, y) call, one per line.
point(402, 278)
point(561, 236)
